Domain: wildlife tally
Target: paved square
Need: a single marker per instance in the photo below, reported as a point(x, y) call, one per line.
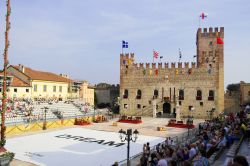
point(75, 146)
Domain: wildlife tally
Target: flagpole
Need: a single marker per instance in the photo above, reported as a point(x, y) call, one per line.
point(153, 56)
point(199, 21)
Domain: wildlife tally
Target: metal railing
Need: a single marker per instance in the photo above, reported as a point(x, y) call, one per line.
point(182, 139)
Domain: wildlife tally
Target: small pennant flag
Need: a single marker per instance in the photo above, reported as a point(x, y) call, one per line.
point(219, 40)
point(180, 55)
point(155, 54)
point(124, 44)
point(203, 15)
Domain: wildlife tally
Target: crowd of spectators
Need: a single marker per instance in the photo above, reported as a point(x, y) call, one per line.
point(25, 108)
point(213, 135)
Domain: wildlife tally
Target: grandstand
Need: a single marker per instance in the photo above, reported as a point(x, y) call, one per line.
point(25, 111)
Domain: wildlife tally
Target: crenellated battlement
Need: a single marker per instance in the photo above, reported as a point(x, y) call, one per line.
point(127, 56)
point(180, 65)
point(211, 32)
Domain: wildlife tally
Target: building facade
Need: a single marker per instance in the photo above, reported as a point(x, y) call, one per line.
point(197, 88)
point(245, 93)
point(87, 93)
point(16, 88)
point(107, 94)
point(43, 84)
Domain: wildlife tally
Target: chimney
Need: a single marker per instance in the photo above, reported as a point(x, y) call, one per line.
point(21, 68)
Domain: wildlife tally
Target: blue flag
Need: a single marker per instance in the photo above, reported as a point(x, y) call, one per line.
point(124, 44)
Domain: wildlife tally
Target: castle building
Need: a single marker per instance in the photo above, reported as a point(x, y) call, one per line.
point(196, 88)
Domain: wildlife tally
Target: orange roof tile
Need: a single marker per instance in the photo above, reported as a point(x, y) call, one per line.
point(16, 82)
point(41, 75)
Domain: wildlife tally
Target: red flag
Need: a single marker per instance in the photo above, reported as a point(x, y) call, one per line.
point(155, 54)
point(156, 72)
point(203, 15)
point(219, 40)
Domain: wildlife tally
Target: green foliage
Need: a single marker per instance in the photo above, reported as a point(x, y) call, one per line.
point(233, 87)
point(8, 154)
point(95, 99)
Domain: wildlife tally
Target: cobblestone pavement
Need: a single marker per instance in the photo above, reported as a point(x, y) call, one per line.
point(147, 127)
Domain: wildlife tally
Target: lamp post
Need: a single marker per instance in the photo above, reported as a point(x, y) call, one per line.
point(210, 113)
point(45, 116)
point(190, 119)
point(128, 136)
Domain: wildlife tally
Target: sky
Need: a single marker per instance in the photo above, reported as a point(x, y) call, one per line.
point(82, 38)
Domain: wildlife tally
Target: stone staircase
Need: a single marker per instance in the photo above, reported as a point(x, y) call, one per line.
point(148, 110)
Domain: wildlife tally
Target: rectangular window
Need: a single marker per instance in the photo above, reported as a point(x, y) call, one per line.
point(54, 88)
point(179, 102)
point(201, 103)
point(35, 88)
point(0, 89)
point(27, 90)
point(126, 106)
point(60, 88)
point(211, 95)
point(45, 88)
point(15, 90)
point(190, 107)
point(138, 106)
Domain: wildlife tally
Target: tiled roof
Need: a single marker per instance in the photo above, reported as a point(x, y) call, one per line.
point(41, 75)
point(16, 82)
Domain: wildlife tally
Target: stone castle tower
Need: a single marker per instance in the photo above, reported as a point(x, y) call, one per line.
point(196, 88)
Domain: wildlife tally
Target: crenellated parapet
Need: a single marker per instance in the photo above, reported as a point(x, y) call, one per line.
point(193, 64)
point(173, 65)
point(211, 32)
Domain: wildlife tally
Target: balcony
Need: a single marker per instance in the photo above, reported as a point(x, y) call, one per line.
point(210, 98)
point(155, 97)
point(138, 97)
point(125, 96)
point(181, 97)
point(198, 98)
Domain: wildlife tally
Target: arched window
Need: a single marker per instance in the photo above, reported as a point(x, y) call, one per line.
point(125, 94)
point(211, 95)
point(156, 93)
point(138, 95)
point(181, 94)
point(199, 95)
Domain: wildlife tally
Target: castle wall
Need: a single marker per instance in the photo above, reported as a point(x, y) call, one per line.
point(169, 78)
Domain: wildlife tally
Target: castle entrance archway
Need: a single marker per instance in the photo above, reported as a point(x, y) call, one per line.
point(166, 108)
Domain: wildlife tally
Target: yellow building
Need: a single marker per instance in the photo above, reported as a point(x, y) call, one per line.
point(87, 93)
point(44, 84)
point(16, 87)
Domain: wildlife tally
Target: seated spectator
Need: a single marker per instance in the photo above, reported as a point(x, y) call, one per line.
point(201, 159)
point(192, 151)
point(162, 161)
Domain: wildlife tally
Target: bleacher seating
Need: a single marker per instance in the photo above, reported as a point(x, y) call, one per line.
point(25, 111)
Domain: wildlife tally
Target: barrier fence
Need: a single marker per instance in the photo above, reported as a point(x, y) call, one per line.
point(20, 128)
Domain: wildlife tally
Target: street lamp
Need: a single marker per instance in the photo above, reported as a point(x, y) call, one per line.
point(210, 113)
point(45, 115)
point(128, 136)
point(190, 119)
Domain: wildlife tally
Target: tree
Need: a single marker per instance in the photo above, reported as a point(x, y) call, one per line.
point(233, 87)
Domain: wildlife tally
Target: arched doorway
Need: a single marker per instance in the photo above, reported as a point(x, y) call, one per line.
point(166, 108)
